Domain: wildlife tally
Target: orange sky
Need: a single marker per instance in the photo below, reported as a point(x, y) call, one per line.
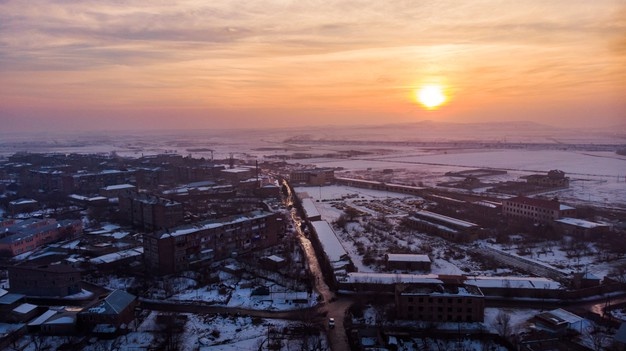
point(228, 64)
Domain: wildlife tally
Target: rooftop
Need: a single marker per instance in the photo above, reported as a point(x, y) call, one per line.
point(439, 289)
point(580, 223)
point(553, 204)
point(309, 208)
point(210, 224)
point(445, 219)
point(407, 258)
point(115, 303)
point(332, 246)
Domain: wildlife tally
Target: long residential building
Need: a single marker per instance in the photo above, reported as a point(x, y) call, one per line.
point(440, 302)
point(49, 280)
point(447, 227)
point(27, 235)
point(317, 176)
point(539, 210)
point(185, 247)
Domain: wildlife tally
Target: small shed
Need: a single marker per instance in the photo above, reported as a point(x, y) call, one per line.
point(272, 262)
point(408, 262)
point(559, 321)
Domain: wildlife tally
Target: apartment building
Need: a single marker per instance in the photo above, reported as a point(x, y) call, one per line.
point(539, 210)
point(32, 233)
point(150, 212)
point(440, 302)
point(57, 280)
point(317, 176)
point(184, 247)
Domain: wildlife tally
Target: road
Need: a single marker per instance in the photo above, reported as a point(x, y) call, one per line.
point(330, 306)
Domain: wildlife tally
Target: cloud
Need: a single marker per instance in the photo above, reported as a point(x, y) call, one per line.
point(276, 54)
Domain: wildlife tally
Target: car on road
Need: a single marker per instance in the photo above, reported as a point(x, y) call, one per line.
point(331, 323)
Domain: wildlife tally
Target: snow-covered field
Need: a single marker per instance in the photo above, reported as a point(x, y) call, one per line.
point(364, 240)
point(199, 332)
point(597, 178)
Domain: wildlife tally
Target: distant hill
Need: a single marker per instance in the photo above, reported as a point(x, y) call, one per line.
point(517, 131)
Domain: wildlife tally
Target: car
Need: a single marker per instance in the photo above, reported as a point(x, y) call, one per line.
point(331, 323)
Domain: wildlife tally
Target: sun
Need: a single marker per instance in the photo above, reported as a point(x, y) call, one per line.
point(431, 96)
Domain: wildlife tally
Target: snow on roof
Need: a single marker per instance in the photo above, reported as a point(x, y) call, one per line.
point(275, 258)
point(309, 208)
point(407, 258)
point(3, 292)
point(23, 202)
point(116, 256)
point(119, 187)
point(565, 207)
point(86, 198)
point(210, 224)
point(513, 282)
point(10, 298)
point(580, 223)
point(44, 317)
point(331, 245)
point(435, 225)
point(566, 316)
point(66, 319)
point(24, 308)
point(115, 303)
point(236, 170)
point(390, 278)
point(446, 219)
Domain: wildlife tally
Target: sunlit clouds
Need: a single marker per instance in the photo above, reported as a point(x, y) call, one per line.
point(204, 64)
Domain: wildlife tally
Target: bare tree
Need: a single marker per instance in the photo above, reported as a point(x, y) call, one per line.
point(503, 324)
point(596, 337)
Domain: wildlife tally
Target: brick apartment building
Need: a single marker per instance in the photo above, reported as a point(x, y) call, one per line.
point(22, 236)
point(317, 176)
point(536, 209)
point(440, 302)
point(150, 212)
point(555, 178)
point(51, 280)
point(179, 249)
point(91, 183)
point(22, 206)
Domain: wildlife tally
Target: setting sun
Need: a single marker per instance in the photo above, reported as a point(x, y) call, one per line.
point(431, 96)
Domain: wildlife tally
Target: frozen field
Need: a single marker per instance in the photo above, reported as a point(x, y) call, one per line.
point(597, 178)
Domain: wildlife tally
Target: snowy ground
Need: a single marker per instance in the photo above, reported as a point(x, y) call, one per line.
point(205, 333)
point(369, 238)
point(598, 178)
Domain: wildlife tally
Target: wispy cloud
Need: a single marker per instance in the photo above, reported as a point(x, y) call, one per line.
point(292, 55)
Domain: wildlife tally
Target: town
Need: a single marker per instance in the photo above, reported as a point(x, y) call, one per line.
point(318, 245)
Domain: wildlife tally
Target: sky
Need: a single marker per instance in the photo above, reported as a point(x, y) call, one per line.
point(143, 64)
